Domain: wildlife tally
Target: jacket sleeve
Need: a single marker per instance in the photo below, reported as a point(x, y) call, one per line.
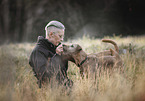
point(38, 62)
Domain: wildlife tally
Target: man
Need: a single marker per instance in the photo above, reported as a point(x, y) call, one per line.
point(47, 64)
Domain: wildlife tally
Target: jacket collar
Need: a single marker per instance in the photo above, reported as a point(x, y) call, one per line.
point(45, 43)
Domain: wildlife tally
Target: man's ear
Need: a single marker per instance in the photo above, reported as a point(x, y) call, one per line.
point(51, 34)
point(79, 48)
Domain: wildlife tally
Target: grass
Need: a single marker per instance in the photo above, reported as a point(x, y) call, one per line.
point(17, 82)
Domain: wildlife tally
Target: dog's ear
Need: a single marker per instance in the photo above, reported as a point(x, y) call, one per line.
point(79, 48)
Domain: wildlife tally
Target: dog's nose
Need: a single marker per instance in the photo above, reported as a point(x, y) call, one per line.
point(63, 45)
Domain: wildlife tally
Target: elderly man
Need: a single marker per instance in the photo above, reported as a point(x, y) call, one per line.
point(47, 64)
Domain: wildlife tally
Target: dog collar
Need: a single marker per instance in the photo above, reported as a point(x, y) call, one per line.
point(82, 61)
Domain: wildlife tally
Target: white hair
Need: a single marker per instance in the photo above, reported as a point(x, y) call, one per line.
point(54, 26)
point(53, 30)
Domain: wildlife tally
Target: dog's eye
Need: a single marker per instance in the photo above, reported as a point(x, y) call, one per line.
point(72, 45)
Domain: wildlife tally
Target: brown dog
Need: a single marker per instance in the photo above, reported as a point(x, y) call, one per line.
point(89, 63)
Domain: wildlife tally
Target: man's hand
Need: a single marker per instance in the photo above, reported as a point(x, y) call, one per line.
point(59, 49)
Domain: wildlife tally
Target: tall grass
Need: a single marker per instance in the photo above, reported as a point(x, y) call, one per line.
point(17, 82)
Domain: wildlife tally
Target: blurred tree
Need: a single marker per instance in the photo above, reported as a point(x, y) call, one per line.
point(24, 20)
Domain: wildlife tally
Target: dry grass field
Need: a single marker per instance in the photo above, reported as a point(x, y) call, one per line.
point(17, 82)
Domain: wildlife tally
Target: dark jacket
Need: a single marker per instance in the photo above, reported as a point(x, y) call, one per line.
point(44, 69)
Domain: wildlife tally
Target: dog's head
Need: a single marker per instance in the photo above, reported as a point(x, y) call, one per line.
point(75, 52)
point(71, 49)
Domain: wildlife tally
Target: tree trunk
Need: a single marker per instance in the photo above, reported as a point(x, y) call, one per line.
point(6, 19)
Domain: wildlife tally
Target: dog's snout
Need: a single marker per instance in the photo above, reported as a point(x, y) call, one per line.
point(63, 45)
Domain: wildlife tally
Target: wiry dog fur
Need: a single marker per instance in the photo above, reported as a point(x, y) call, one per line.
point(90, 63)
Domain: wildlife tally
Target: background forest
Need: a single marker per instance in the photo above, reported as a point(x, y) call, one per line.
point(24, 20)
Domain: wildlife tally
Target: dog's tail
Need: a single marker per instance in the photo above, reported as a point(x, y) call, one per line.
point(112, 42)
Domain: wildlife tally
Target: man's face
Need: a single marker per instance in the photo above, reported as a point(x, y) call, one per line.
point(57, 38)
